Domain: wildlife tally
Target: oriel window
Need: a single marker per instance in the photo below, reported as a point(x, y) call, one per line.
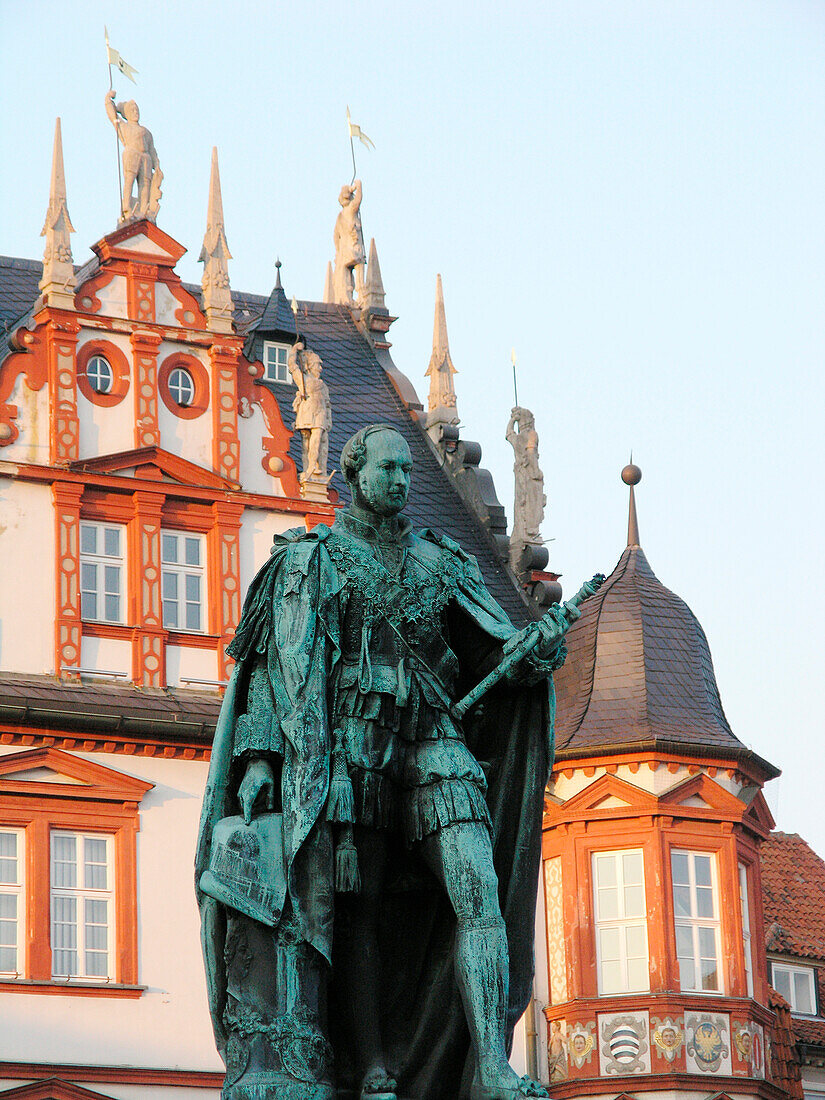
point(696, 917)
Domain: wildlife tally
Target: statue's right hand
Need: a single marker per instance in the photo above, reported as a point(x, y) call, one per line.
point(257, 789)
point(111, 94)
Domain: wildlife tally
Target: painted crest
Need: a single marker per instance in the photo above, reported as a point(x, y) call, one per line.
point(581, 1044)
point(624, 1045)
point(708, 1043)
point(668, 1037)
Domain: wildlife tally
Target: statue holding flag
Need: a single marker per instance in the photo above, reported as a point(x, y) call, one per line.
point(140, 161)
point(350, 255)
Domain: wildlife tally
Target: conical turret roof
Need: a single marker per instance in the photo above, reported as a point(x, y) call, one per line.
point(639, 672)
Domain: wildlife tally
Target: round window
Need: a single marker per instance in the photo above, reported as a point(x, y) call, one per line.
point(182, 386)
point(100, 375)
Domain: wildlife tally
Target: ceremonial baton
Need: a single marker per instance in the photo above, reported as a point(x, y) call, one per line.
point(558, 618)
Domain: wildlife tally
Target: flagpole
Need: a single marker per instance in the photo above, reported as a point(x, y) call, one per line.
point(117, 139)
point(352, 150)
point(515, 383)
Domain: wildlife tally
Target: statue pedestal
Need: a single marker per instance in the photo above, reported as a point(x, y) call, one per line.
point(316, 489)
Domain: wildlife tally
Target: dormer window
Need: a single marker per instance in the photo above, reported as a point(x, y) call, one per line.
point(182, 386)
point(796, 985)
point(100, 374)
point(275, 362)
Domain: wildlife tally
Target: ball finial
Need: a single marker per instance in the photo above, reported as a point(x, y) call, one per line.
point(631, 474)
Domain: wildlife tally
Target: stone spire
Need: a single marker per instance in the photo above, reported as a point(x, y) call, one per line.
point(632, 475)
point(215, 254)
point(374, 296)
point(58, 280)
point(329, 292)
point(441, 402)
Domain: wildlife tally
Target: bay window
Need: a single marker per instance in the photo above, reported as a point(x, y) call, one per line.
point(696, 917)
point(621, 921)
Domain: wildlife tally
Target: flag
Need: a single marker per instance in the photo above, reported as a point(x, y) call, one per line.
point(114, 58)
point(356, 131)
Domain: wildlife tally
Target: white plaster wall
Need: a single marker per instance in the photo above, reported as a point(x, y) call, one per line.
point(169, 1025)
point(251, 430)
point(190, 439)
point(255, 538)
point(27, 577)
point(189, 661)
point(106, 655)
point(32, 444)
point(107, 430)
point(112, 298)
point(165, 305)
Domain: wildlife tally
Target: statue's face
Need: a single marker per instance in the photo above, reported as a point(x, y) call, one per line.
point(130, 111)
point(383, 482)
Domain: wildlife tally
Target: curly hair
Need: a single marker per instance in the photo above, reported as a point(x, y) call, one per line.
point(354, 454)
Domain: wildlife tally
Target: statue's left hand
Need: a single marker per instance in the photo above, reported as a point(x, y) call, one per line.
point(257, 789)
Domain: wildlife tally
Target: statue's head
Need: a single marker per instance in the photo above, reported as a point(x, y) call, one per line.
point(377, 466)
point(312, 363)
point(345, 196)
point(525, 418)
point(130, 111)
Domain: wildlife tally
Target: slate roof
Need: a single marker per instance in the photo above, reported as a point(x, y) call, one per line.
point(361, 393)
point(98, 707)
point(639, 674)
point(793, 899)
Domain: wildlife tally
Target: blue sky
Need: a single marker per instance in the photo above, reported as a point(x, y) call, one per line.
point(631, 194)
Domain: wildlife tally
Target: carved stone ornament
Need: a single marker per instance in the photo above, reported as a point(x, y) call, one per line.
point(142, 176)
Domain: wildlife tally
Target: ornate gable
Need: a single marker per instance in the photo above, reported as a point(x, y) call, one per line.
point(53, 773)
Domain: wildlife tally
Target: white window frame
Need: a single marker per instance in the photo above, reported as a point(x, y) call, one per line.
point(16, 890)
point(694, 922)
point(182, 571)
point(181, 386)
point(275, 371)
point(102, 561)
point(747, 946)
point(793, 972)
point(622, 922)
point(94, 377)
point(81, 894)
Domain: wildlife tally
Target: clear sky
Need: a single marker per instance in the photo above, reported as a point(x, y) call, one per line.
point(631, 194)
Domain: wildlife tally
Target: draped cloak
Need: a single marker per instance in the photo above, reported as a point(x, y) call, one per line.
point(292, 621)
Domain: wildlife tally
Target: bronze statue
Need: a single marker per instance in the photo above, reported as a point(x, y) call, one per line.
point(371, 837)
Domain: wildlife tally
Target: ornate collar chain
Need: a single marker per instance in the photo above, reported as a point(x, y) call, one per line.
point(409, 597)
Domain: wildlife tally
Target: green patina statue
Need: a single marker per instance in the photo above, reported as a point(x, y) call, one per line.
point(370, 842)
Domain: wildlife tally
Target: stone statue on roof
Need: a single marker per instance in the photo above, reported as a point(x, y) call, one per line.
point(529, 499)
point(350, 254)
point(370, 842)
point(141, 166)
point(313, 411)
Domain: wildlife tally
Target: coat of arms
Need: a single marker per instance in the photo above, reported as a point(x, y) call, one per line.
point(708, 1042)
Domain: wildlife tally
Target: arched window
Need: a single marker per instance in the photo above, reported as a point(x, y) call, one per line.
point(100, 374)
point(182, 386)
